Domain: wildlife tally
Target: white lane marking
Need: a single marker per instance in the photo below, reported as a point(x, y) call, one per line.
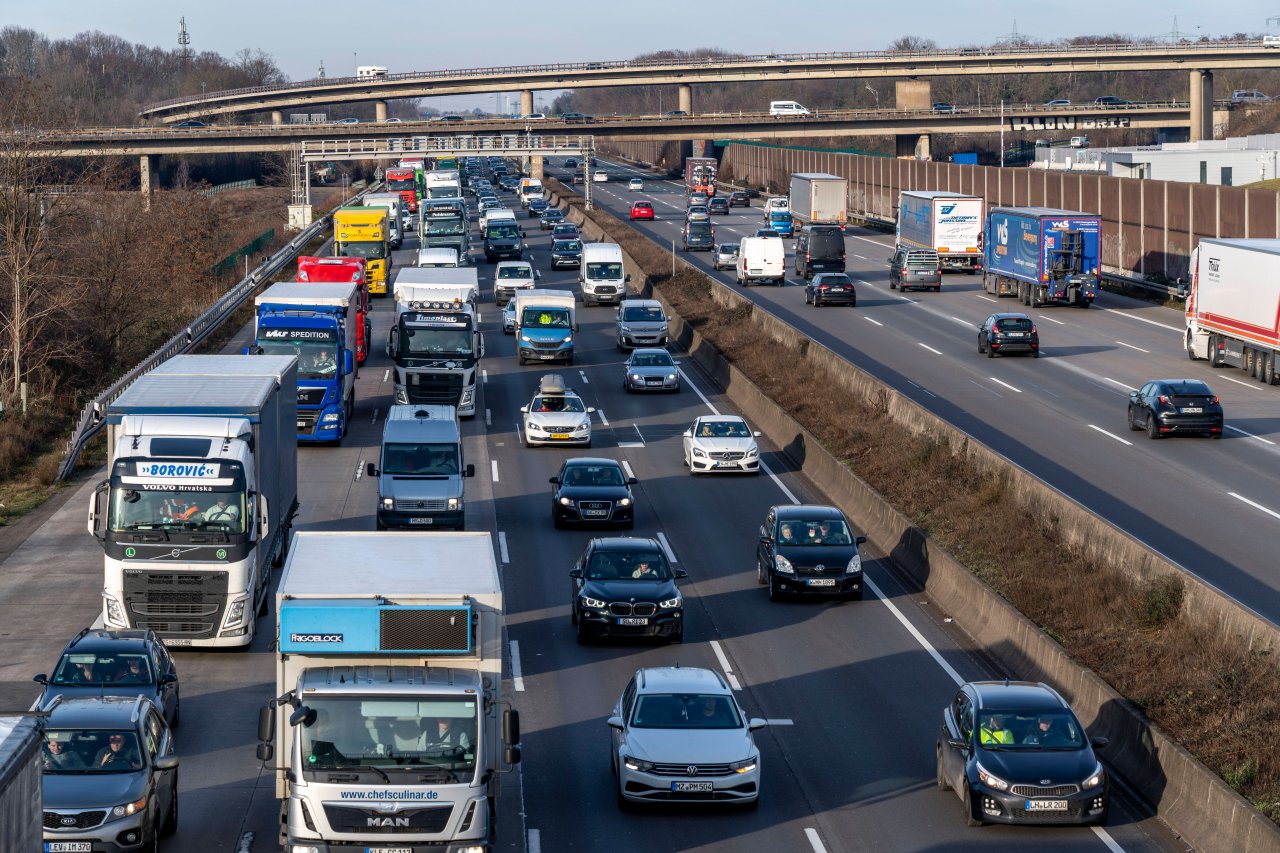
point(517, 676)
point(494, 464)
point(991, 299)
point(1106, 839)
point(1131, 346)
point(929, 348)
point(779, 721)
point(1118, 382)
point(930, 393)
point(993, 392)
point(484, 377)
point(666, 548)
point(386, 375)
point(913, 631)
point(908, 299)
point(869, 320)
point(720, 656)
point(863, 257)
point(359, 469)
point(626, 466)
point(864, 281)
point(583, 374)
point(603, 419)
point(815, 842)
point(1249, 385)
point(1005, 384)
point(791, 497)
point(1111, 435)
point(535, 841)
point(488, 418)
point(374, 419)
point(519, 433)
point(1129, 316)
point(961, 322)
point(246, 842)
point(1050, 319)
point(1255, 505)
point(502, 547)
point(698, 391)
point(1251, 435)
point(631, 444)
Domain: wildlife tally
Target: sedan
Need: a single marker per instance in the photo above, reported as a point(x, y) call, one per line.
point(1005, 333)
point(624, 587)
point(807, 550)
point(580, 118)
point(941, 107)
point(726, 257)
point(721, 443)
point(551, 217)
point(592, 491)
point(830, 288)
point(635, 185)
point(1165, 406)
point(650, 369)
point(642, 210)
point(739, 199)
point(719, 205)
point(679, 735)
point(348, 120)
point(1014, 752)
point(1111, 101)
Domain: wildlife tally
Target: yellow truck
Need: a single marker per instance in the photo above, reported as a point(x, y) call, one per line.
point(363, 232)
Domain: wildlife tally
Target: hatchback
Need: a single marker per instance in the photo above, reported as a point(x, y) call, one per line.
point(642, 210)
point(600, 176)
point(1005, 333)
point(739, 199)
point(1164, 406)
point(1058, 102)
point(830, 288)
point(696, 212)
point(719, 205)
point(697, 199)
point(915, 269)
point(726, 256)
point(635, 185)
point(808, 550)
point(624, 587)
point(551, 217)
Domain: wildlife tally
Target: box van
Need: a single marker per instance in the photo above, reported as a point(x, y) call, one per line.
point(440, 256)
point(493, 214)
point(788, 108)
point(915, 269)
point(761, 259)
point(421, 471)
point(395, 208)
point(601, 275)
point(819, 248)
point(529, 187)
point(370, 71)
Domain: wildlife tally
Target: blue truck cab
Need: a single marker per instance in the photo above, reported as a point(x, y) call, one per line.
point(314, 322)
point(780, 221)
point(1043, 256)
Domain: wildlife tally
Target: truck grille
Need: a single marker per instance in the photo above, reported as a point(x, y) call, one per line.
point(307, 422)
point(175, 603)
point(435, 388)
point(310, 397)
point(79, 820)
point(421, 506)
point(430, 819)
point(626, 608)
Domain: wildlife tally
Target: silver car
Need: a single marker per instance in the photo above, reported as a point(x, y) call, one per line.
point(726, 257)
point(650, 370)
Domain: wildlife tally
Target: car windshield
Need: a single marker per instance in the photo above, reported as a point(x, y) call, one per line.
point(392, 734)
point(814, 532)
point(556, 403)
point(1015, 730)
point(419, 458)
point(685, 711)
point(652, 359)
point(628, 565)
point(68, 751)
point(605, 270)
point(723, 429)
point(97, 670)
point(647, 314)
point(545, 318)
point(515, 272)
point(838, 279)
point(592, 475)
point(566, 246)
point(1014, 324)
point(157, 506)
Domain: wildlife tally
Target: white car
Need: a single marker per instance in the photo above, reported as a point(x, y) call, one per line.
point(600, 176)
point(779, 203)
point(679, 735)
point(509, 318)
point(635, 185)
point(556, 415)
point(510, 276)
point(721, 443)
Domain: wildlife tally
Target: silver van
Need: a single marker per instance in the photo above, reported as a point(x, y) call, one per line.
point(641, 323)
point(421, 473)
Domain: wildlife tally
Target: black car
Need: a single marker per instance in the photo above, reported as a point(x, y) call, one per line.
point(1164, 406)
point(566, 231)
point(624, 587)
point(551, 217)
point(719, 204)
point(566, 254)
point(592, 491)
point(766, 232)
point(675, 113)
point(1005, 333)
point(570, 163)
point(739, 199)
point(1111, 101)
point(1015, 753)
point(698, 237)
point(809, 549)
point(830, 288)
point(580, 118)
point(537, 206)
point(125, 663)
point(191, 123)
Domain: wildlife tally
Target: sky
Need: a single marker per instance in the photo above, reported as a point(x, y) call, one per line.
point(409, 37)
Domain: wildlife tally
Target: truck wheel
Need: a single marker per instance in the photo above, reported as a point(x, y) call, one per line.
point(1191, 351)
point(1084, 303)
point(1266, 367)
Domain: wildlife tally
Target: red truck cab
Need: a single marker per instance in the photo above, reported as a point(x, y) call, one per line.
point(312, 268)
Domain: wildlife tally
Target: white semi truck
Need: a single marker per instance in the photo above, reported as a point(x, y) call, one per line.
point(200, 497)
point(435, 340)
point(1233, 310)
point(949, 223)
point(388, 729)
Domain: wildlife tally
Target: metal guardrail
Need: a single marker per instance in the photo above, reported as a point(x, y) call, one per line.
point(93, 416)
point(234, 185)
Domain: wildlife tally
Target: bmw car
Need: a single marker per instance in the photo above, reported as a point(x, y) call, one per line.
point(624, 587)
point(721, 443)
point(680, 736)
point(556, 415)
point(592, 491)
point(809, 550)
point(650, 369)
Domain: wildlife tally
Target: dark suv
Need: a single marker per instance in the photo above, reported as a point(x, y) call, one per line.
point(110, 775)
point(1005, 333)
point(1165, 406)
point(624, 587)
point(125, 663)
point(809, 549)
point(820, 248)
point(739, 198)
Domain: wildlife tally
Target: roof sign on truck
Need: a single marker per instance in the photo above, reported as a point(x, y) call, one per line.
point(298, 334)
point(185, 471)
point(356, 626)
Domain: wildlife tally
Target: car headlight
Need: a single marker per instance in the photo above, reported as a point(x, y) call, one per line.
point(637, 764)
point(568, 339)
point(699, 452)
point(533, 427)
point(1095, 778)
point(593, 603)
point(635, 377)
point(127, 809)
point(671, 377)
point(744, 766)
point(671, 603)
point(454, 503)
point(855, 565)
point(991, 781)
point(783, 565)
point(624, 502)
point(753, 450)
point(331, 418)
point(388, 503)
point(525, 339)
point(584, 425)
point(566, 502)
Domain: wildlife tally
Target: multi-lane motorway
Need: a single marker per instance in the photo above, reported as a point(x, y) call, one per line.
point(854, 690)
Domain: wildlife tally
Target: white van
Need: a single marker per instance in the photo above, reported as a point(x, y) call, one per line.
point(439, 256)
point(761, 259)
point(493, 214)
point(1079, 142)
point(365, 72)
point(529, 188)
point(788, 108)
point(601, 275)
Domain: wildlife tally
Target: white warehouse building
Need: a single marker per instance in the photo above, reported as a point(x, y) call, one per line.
point(1228, 162)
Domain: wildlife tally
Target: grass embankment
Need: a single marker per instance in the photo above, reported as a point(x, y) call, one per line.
point(1211, 693)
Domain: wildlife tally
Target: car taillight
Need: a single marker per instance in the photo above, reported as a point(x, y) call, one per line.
point(1213, 399)
point(1163, 399)
point(1033, 328)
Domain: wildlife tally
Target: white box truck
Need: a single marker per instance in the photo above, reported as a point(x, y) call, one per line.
point(1233, 310)
point(818, 199)
point(949, 223)
point(761, 259)
point(202, 486)
point(388, 724)
point(546, 321)
point(435, 342)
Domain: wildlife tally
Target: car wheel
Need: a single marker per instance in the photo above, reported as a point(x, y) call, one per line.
point(1035, 353)
point(775, 591)
point(807, 299)
point(940, 777)
point(629, 524)
point(761, 577)
point(1217, 434)
point(752, 805)
point(970, 816)
point(1133, 426)
point(1153, 431)
point(853, 303)
point(171, 819)
point(990, 352)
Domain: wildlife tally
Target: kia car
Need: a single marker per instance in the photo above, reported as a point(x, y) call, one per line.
point(1170, 406)
point(625, 587)
point(587, 490)
point(650, 369)
point(1001, 334)
point(721, 443)
point(1014, 752)
point(678, 735)
point(125, 663)
point(830, 288)
point(808, 550)
point(642, 210)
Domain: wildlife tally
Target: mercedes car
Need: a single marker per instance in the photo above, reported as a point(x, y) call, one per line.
point(721, 443)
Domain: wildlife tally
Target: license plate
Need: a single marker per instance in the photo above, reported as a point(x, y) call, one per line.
point(1046, 805)
point(595, 513)
point(388, 850)
point(302, 425)
point(560, 435)
point(632, 620)
point(67, 846)
point(754, 272)
point(1017, 334)
point(546, 357)
point(821, 582)
point(173, 641)
point(422, 521)
point(1192, 410)
point(724, 465)
point(692, 787)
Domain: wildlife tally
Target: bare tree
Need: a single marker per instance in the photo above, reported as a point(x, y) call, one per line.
point(912, 44)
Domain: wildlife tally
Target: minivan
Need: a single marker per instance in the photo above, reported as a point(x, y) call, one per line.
point(788, 108)
point(819, 248)
point(915, 269)
point(601, 274)
point(421, 472)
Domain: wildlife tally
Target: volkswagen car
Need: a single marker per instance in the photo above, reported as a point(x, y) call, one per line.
point(1167, 406)
point(721, 443)
point(808, 550)
point(125, 663)
point(625, 587)
point(592, 491)
point(650, 369)
point(1015, 753)
point(556, 415)
point(1001, 334)
point(678, 735)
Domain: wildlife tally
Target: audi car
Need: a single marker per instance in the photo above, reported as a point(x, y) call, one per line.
point(625, 587)
point(650, 369)
point(592, 491)
point(719, 204)
point(1167, 406)
point(721, 443)
point(642, 210)
point(808, 550)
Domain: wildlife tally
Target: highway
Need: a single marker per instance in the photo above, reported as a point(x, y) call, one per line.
point(1210, 506)
point(854, 690)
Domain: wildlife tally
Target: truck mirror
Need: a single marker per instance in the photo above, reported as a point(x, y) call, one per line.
point(348, 362)
point(371, 470)
point(266, 752)
point(627, 277)
point(95, 510)
point(264, 516)
point(267, 723)
point(511, 727)
point(470, 470)
point(512, 755)
point(303, 716)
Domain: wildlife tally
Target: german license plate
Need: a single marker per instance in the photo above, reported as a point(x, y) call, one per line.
point(632, 621)
point(67, 846)
point(595, 513)
point(692, 787)
point(388, 850)
point(560, 435)
point(1192, 410)
point(301, 425)
point(723, 464)
point(1017, 334)
point(753, 272)
point(427, 520)
point(547, 357)
point(173, 641)
point(821, 581)
point(1046, 805)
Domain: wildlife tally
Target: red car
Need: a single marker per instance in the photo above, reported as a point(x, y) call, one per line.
point(641, 210)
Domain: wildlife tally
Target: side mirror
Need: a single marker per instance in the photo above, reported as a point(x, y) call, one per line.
point(958, 743)
point(1133, 395)
point(614, 723)
point(591, 410)
point(264, 517)
point(302, 716)
point(757, 723)
point(266, 752)
point(166, 762)
point(631, 481)
point(575, 327)
point(1099, 742)
point(371, 470)
point(626, 278)
point(756, 434)
point(41, 679)
point(97, 515)
point(687, 433)
point(267, 723)
point(168, 678)
point(469, 471)
point(679, 573)
point(575, 572)
point(555, 481)
point(524, 409)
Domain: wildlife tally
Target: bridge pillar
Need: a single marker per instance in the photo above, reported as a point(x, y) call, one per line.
point(277, 117)
point(526, 102)
point(1201, 105)
point(914, 95)
point(913, 146)
point(380, 110)
point(686, 98)
point(148, 176)
point(535, 167)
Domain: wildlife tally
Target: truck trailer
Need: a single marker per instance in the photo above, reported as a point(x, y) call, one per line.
point(700, 175)
point(818, 199)
point(435, 341)
point(312, 268)
point(948, 223)
point(362, 232)
point(200, 497)
point(388, 727)
point(1233, 310)
point(1043, 256)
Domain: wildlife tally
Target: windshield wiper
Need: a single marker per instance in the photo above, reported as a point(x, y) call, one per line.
point(378, 770)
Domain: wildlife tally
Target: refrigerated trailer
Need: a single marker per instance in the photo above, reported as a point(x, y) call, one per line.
point(948, 223)
point(1233, 310)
